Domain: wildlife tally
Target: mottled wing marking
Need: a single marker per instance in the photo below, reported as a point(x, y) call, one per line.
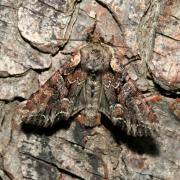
point(137, 114)
point(75, 85)
point(131, 112)
point(43, 106)
point(110, 86)
point(108, 94)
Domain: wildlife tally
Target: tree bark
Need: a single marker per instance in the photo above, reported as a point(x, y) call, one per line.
point(38, 37)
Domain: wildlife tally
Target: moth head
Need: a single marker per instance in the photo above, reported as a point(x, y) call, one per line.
point(94, 58)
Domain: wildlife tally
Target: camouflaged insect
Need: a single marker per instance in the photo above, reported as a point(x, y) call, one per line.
point(92, 83)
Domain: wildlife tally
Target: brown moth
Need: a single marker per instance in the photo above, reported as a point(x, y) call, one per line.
point(92, 83)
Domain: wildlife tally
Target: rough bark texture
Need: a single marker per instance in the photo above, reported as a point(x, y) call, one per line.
point(37, 37)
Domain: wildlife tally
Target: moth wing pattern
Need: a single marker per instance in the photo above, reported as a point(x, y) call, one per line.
point(64, 95)
point(109, 94)
point(44, 106)
point(135, 115)
point(75, 85)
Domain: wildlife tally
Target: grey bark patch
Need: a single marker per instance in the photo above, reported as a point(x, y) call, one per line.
point(94, 162)
point(79, 134)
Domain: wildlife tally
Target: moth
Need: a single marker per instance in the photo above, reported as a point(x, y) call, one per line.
point(92, 83)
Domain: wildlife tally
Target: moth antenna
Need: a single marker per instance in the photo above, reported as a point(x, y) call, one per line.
point(93, 35)
point(94, 26)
